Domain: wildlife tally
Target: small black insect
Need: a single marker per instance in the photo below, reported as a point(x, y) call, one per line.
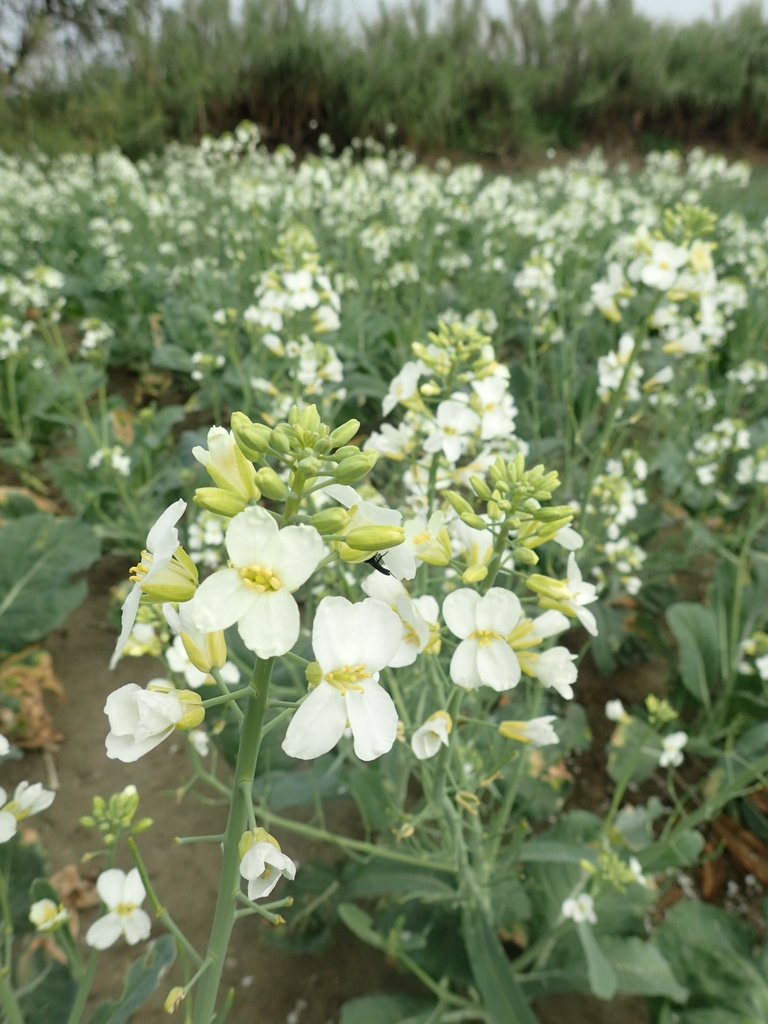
point(378, 565)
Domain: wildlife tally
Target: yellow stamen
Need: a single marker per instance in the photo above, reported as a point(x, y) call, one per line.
point(261, 579)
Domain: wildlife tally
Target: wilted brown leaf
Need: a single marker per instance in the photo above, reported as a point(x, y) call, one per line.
point(749, 852)
point(25, 678)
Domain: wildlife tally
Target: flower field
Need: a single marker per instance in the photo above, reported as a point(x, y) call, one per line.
point(436, 504)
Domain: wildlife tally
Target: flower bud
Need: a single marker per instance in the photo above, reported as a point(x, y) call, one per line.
point(194, 712)
point(314, 673)
point(524, 556)
point(309, 419)
point(470, 519)
point(345, 452)
point(174, 999)
point(309, 466)
point(355, 468)
point(343, 435)
point(554, 513)
point(480, 487)
point(330, 520)
point(256, 835)
point(176, 582)
point(280, 440)
point(211, 653)
point(222, 503)
point(270, 484)
point(375, 538)
point(252, 438)
point(474, 574)
point(459, 504)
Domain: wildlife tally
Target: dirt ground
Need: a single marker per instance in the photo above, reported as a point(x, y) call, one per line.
point(272, 986)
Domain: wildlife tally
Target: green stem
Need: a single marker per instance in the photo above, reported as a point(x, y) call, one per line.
point(83, 990)
point(229, 881)
point(8, 1001)
point(159, 910)
point(358, 845)
point(226, 698)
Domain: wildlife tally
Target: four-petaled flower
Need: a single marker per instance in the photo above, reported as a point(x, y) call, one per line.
point(483, 623)
point(263, 864)
point(266, 565)
point(580, 909)
point(27, 799)
point(140, 719)
point(352, 644)
point(123, 895)
point(433, 734)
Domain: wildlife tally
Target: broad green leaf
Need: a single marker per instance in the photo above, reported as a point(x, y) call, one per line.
point(360, 924)
point(49, 1002)
point(141, 980)
point(602, 977)
point(637, 755)
point(381, 879)
point(503, 998)
point(385, 1009)
point(38, 555)
point(695, 629)
point(552, 851)
point(679, 850)
point(641, 968)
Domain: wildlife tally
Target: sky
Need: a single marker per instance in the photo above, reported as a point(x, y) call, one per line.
point(668, 10)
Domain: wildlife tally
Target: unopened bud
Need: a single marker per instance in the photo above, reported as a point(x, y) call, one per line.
point(252, 438)
point(524, 556)
point(355, 468)
point(309, 419)
point(270, 484)
point(314, 673)
point(554, 512)
point(194, 712)
point(480, 487)
point(280, 440)
point(174, 999)
point(343, 435)
point(222, 503)
point(474, 574)
point(346, 451)
point(330, 520)
point(459, 504)
point(375, 538)
point(475, 521)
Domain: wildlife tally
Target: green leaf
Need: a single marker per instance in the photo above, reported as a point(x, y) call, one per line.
point(377, 879)
point(552, 851)
point(504, 1001)
point(360, 924)
point(695, 629)
point(602, 977)
point(638, 754)
point(50, 1002)
point(141, 980)
point(385, 1009)
point(641, 968)
point(681, 849)
point(38, 555)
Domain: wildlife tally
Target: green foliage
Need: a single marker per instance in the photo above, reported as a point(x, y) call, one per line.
point(141, 980)
point(40, 554)
point(470, 81)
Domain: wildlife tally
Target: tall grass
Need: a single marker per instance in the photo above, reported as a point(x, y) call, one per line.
point(590, 71)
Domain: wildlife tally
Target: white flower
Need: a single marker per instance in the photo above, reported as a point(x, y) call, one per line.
point(672, 753)
point(5, 746)
point(200, 741)
point(46, 915)
point(482, 623)
point(455, 424)
point(226, 465)
point(263, 864)
point(123, 894)
point(402, 564)
point(554, 669)
point(637, 871)
point(430, 736)
point(536, 731)
point(403, 386)
point(178, 662)
point(661, 269)
point(415, 631)
point(140, 719)
point(568, 538)
point(27, 799)
point(267, 565)
point(352, 644)
point(579, 594)
point(157, 563)
point(580, 909)
point(615, 711)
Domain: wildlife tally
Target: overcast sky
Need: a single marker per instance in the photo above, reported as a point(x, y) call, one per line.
point(674, 10)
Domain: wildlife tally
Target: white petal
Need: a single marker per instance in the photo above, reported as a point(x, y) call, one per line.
point(328, 631)
point(373, 720)
point(109, 886)
point(381, 631)
point(133, 888)
point(105, 932)
point(499, 610)
point(586, 618)
point(163, 539)
point(272, 624)
point(221, 600)
point(8, 826)
point(251, 538)
point(318, 724)
point(129, 749)
point(137, 926)
point(497, 666)
point(464, 665)
point(459, 610)
point(299, 549)
point(130, 611)
point(550, 624)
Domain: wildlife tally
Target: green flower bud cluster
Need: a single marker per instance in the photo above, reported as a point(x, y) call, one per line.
point(297, 247)
point(513, 496)
point(306, 446)
point(615, 871)
point(685, 222)
point(114, 817)
point(455, 353)
point(660, 711)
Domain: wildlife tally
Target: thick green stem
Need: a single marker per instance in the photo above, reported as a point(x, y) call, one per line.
point(229, 881)
point(8, 1002)
point(83, 990)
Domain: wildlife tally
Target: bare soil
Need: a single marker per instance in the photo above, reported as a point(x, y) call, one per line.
point(272, 986)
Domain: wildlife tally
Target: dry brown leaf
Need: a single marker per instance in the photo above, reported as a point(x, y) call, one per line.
point(713, 874)
point(749, 852)
point(43, 504)
point(122, 426)
point(75, 892)
point(760, 800)
point(25, 678)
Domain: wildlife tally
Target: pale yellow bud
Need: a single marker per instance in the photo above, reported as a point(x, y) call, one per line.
point(194, 712)
point(218, 501)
